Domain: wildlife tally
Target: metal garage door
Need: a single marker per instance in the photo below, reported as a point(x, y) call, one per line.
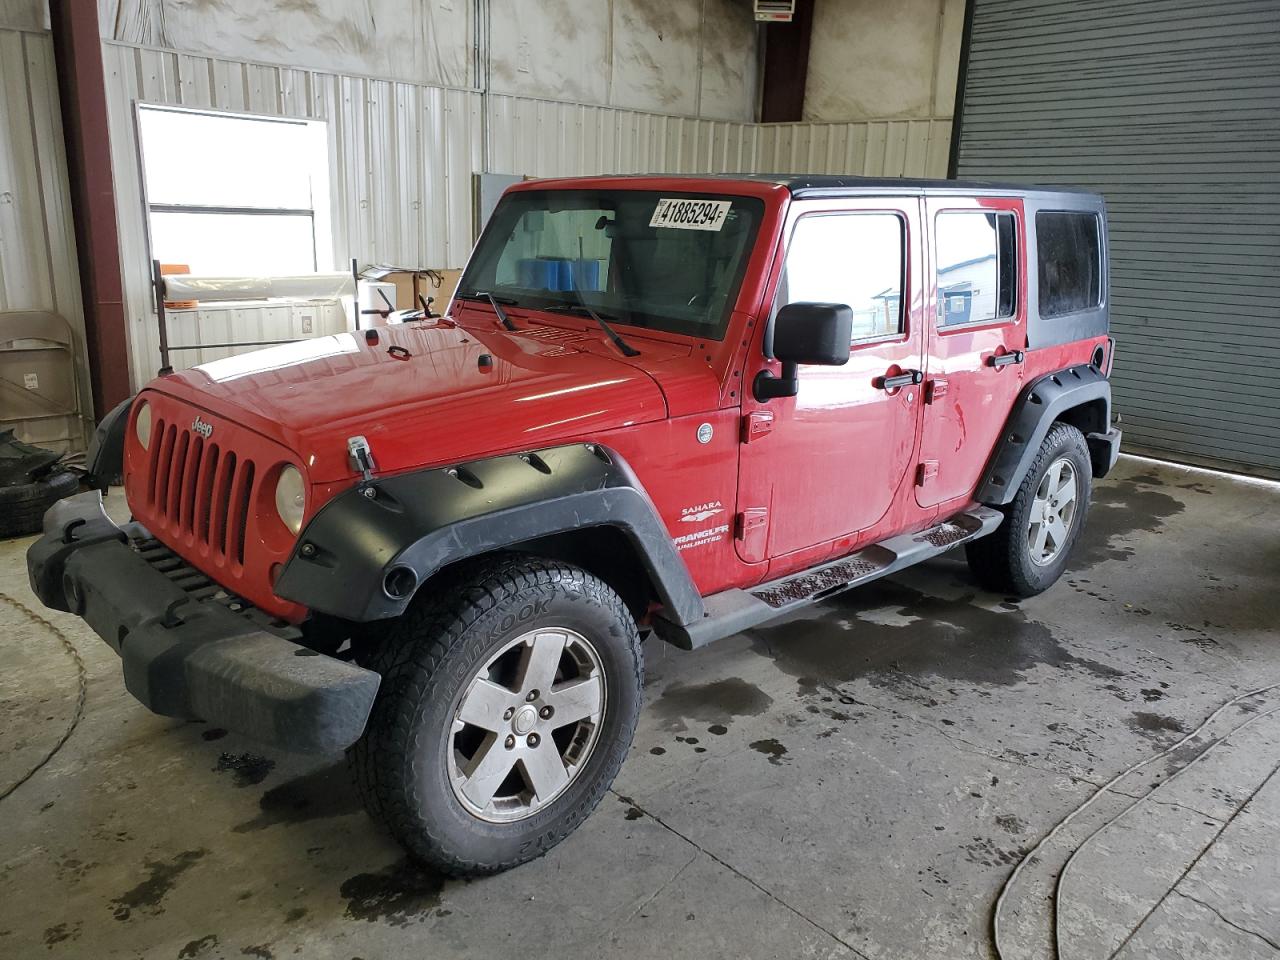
point(1171, 109)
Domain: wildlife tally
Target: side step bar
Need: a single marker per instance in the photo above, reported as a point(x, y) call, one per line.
point(733, 611)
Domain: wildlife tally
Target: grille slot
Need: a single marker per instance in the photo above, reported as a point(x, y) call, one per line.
point(198, 492)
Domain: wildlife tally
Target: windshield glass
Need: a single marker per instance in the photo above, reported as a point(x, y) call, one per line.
point(665, 261)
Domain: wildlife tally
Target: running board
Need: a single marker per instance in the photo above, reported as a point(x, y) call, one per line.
point(733, 611)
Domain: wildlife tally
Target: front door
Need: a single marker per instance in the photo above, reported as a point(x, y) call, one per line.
point(828, 463)
point(978, 335)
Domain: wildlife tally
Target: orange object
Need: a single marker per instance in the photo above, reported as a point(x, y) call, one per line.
point(167, 269)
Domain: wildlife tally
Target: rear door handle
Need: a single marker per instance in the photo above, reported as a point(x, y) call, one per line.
point(905, 379)
point(1004, 359)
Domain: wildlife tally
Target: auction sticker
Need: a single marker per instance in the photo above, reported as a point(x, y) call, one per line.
point(690, 214)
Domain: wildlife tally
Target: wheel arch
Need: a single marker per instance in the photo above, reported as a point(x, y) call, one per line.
point(1079, 396)
point(578, 503)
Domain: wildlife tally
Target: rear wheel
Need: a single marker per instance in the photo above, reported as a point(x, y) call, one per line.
point(508, 702)
point(1029, 551)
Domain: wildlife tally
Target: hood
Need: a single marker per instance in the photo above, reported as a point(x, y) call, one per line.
point(421, 395)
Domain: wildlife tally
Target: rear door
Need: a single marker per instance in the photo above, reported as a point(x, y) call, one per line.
point(977, 335)
point(828, 462)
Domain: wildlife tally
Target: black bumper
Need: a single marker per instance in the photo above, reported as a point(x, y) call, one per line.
point(189, 658)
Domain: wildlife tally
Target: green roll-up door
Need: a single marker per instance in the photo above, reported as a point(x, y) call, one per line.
point(1171, 110)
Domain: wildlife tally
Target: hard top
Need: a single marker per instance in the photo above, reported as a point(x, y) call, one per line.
point(822, 185)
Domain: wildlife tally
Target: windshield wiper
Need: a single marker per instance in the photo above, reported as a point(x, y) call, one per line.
point(581, 307)
point(496, 303)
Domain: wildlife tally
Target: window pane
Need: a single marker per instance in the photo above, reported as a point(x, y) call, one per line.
point(225, 161)
point(1070, 263)
point(855, 259)
point(230, 244)
point(976, 267)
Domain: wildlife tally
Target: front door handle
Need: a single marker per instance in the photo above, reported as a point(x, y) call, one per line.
point(904, 379)
point(998, 360)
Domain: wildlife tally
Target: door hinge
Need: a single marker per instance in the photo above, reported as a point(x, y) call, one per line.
point(936, 389)
point(749, 521)
point(756, 424)
point(926, 471)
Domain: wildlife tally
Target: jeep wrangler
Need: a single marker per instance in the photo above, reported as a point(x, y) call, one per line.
point(673, 405)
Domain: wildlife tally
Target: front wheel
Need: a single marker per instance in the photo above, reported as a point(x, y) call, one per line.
point(1029, 551)
point(508, 703)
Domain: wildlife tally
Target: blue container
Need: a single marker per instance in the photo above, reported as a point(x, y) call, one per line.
point(539, 273)
point(586, 274)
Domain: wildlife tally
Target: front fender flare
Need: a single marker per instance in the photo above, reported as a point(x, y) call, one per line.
point(425, 520)
point(1034, 412)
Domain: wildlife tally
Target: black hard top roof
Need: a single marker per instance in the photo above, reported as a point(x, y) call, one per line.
point(812, 185)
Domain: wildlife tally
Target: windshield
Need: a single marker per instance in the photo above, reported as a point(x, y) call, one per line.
point(665, 261)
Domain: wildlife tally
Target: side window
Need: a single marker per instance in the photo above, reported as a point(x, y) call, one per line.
point(851, 258)
point(977, 267)
point(1070, 262)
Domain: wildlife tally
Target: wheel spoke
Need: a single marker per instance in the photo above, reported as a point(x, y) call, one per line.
point(1038, 507)
point(1058, 530)
point(544, 769)
point(1039, 534)
point(575, 700)
point(1055, 475)
point(486, 771)
point(1066, 491)
point(484, 704)
point(541, 660)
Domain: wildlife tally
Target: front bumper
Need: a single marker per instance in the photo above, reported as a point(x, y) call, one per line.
point(186, 652)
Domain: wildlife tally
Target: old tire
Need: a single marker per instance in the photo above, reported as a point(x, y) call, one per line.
point(22, 505)
point(473, 679)
point(1029, 551)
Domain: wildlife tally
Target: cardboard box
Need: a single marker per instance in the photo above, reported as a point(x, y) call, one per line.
point(432, 283)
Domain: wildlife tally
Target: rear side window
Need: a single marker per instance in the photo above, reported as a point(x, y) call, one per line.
point(977, 267)
point(851, 258)
point(1070, 262)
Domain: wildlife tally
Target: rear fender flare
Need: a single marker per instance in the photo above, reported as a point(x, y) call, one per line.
point(421, 522)
point(1038, 406)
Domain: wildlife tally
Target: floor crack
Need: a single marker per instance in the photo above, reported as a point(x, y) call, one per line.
point(1229, 922)
point(742, 876)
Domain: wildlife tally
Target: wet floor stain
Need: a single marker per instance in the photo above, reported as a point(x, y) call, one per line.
point(261, 951)
point(950, 639)
point(60, 932)
point(324, 793)
point(718, 700)
point(196, 948)
point(634, 813)
point(657, 751)
point(1010, 824)
point(399, 894)
point(213, 733)
point(772, 749)
point(1119, 509)
point(248, 769)
point(161, 876)
point(1155, 724)
point(719, 729)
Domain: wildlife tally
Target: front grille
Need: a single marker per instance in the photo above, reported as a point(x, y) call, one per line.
point(198, 493)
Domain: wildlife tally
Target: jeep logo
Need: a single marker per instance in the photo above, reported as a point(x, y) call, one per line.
point(204, 429)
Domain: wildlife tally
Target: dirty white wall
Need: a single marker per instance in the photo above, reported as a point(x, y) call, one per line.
point(869, 59)
point(38, 269)
point(694, 57)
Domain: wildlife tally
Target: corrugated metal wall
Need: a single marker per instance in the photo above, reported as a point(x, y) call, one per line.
point(38, 267)
point(1172, 110)
point(401, 155)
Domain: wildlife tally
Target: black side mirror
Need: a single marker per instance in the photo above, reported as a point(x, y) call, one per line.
point(812, 333)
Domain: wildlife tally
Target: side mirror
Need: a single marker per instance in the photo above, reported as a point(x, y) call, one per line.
point(812, 333)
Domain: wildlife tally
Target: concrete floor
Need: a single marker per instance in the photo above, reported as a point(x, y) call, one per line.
point(860, 781)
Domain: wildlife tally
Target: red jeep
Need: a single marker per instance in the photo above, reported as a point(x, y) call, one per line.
point(685, 405)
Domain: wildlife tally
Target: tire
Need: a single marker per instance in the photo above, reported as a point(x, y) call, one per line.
point(22, 506)
point(437, 663)
point(1008, 561)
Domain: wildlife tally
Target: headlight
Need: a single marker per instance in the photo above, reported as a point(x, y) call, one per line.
point(291, 498)
point(142, 425)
